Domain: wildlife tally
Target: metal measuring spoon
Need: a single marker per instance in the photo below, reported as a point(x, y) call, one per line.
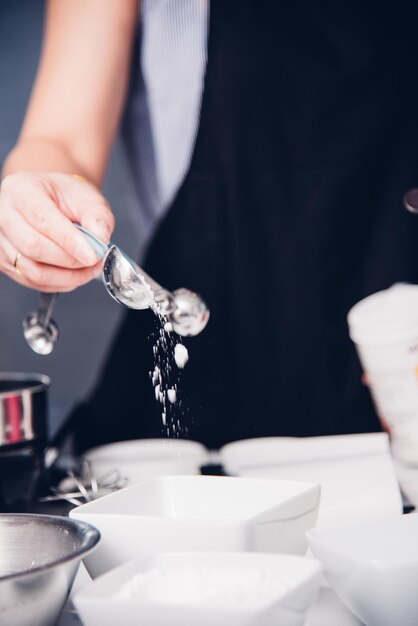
point(190, 315)
point(410, 200)
point(129, 285)
point(124, 283)
point(39, 329)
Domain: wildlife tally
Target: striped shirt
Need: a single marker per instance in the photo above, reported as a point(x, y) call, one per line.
point(162, 114)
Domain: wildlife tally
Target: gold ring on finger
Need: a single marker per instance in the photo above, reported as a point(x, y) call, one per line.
point(16, 264)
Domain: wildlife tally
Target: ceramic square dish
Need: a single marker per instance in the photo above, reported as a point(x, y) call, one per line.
point(200, 513)
point(373, 567)
point(186, 589)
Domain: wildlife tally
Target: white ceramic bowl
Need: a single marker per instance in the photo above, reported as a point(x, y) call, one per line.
point(200, 513)
point(205, 589)
point(373, 566)
point(145, 458)
point(356, 472)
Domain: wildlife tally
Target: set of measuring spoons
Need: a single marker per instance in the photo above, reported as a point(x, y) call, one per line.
point(129, 285)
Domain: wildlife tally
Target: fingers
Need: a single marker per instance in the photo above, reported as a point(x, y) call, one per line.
point(37, 215)
point(365, 379)
point(49, 278)
point(8, 256)
point(83, 203)
point(385, 425)
point(40, 276)
point(97, 224)
point(34, 245)
point(34, 201)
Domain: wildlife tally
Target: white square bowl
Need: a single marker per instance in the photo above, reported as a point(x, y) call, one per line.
point(373, 567)
point(200, 513)
point(205, 589)
point(139, 459)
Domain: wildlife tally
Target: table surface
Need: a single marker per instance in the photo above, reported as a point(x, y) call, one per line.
point(328, 609)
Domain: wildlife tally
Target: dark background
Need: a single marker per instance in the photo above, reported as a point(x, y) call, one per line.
point(87, 317)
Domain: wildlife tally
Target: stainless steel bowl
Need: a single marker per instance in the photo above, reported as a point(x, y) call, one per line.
point(23, 408)
point(39, 558)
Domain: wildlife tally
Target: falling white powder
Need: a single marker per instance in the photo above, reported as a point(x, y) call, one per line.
point(155, 375)
point(181, 355)
point(170, 357)
point(157, 392)
point(235, 588)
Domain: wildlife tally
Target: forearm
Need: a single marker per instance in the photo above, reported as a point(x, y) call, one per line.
point(72, 118)
point(47, 155)
point(79, 93)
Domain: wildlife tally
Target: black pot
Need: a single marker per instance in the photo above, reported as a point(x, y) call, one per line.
point(23, 437)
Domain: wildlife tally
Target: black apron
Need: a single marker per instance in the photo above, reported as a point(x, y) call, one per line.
point(290, 213)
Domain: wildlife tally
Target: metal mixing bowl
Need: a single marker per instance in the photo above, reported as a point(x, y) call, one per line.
point(39, 558)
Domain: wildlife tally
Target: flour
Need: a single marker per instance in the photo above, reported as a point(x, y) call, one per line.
point(241, 589)
point(181, 355)
point(155, 375)
point(170, 357)
point(157, 392)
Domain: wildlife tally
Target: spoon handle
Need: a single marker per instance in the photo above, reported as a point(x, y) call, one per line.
point(101, 249)
point(99, 246)
point(45, 307)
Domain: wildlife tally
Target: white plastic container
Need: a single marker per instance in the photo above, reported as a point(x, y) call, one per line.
point(384, 328)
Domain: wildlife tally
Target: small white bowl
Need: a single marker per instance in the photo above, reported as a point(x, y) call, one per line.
point(138, 459)
point(373, 567)
point(260, 452)
point(200, 513)
point(186, 589)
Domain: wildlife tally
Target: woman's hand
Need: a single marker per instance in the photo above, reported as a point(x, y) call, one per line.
point(39, 245)
point(74, 111)
point(365, 379)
